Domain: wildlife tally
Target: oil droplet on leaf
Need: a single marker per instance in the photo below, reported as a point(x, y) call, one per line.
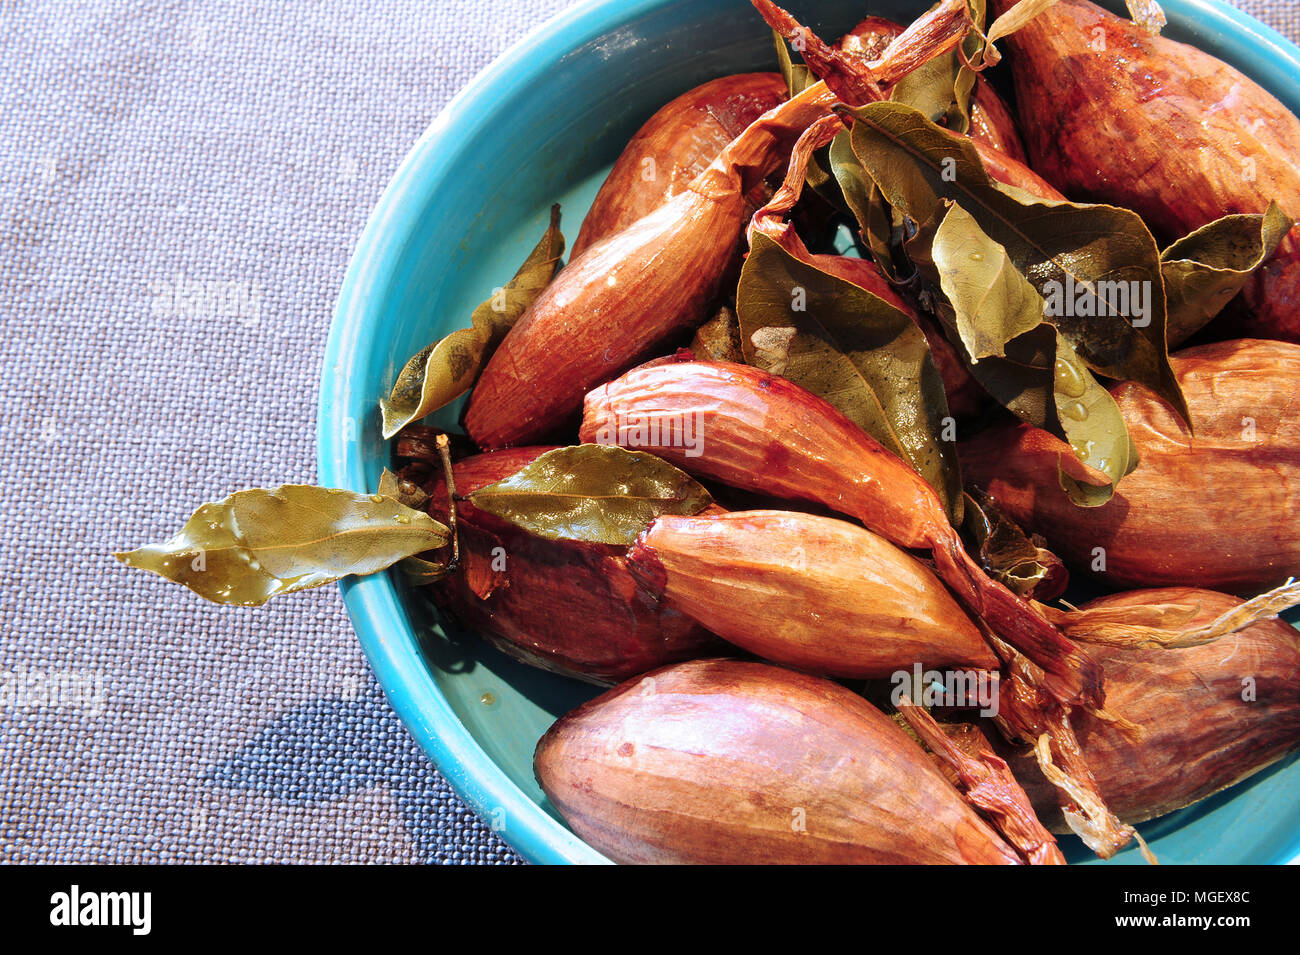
point(1075, 411)
point(1069, 380)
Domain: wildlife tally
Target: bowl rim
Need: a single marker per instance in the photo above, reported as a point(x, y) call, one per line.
point(373, 603)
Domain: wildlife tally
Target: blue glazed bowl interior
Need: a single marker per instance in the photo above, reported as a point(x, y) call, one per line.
point(541, 125)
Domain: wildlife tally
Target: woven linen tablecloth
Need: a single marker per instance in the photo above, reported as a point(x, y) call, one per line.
point(147, 144)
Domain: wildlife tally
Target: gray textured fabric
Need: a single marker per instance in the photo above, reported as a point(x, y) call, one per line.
point(146, 145)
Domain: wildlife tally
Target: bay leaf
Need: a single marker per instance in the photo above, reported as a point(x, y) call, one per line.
point(941, 88)
point(419, 571)
point(1083, 256)
point(258, 544)
point(1090, 420)
point(1205, 270)
point(443, 371)
point(798, 77)
point(855, 350)
point(718, 339)
point(1007, 24)
point(994, 305)
point(592, 492)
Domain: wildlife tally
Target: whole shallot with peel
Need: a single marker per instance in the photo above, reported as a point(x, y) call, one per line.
point(814, 593)
point(763, 433)
point(1186, 721)
point(725, 762)
point(562, 605)
point(674, 146)
point(1216, 506)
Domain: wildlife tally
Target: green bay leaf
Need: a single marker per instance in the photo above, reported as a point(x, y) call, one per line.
point(852, 348)
point(1204, 270)
point(1060, 247)
point(998, 314)
point(443, 371)
point(593, 492)
point(258, 544)
point(941, 88)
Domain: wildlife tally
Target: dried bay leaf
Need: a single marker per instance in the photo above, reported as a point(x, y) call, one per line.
point(592, 492)
point(798, 77)
point(1064, 249)
point(1091, 422)
point(853, 349)
point(408, 493)
point(993, 302)
point(445, 370)
point(1203, 271)
point(258, 544)
point(718, 339)
point(1007, 24)
point(994, 306)
point(942, 87)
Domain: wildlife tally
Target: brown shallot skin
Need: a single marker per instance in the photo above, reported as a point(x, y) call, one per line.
point(814, 593)
point(565, 606)
point(607, 309)
point(991, 121)
point(764, 433)
point(967, 759)
point(725, 762)
point(1198, 734)
point(1113, 114)
point(1216, 508)
point(674, 146)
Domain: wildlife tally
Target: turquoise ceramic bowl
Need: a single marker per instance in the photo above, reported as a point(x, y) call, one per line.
point(542, 124)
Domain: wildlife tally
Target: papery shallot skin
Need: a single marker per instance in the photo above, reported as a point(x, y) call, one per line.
point(1209, 716)
point(674, 146)
point(724, 762)
point(565, 606)
point(814, 593)
point(1113, 114)
point(1217, 508)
